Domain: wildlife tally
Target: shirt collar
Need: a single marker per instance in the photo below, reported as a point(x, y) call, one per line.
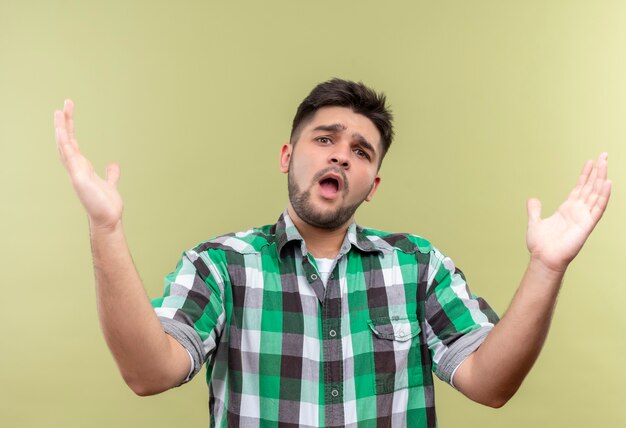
point(286, 232)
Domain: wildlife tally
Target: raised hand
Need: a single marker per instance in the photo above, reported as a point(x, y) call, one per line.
point(556, 240)
point(99, 196)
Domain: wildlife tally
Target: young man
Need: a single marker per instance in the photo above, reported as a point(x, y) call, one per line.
point(314, 321)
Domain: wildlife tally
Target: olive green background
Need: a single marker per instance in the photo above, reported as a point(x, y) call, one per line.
point(494, 102)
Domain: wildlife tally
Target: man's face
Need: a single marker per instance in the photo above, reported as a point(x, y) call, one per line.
point(333, 167)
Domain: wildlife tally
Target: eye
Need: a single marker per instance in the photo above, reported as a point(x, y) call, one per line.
point(361, 153)
point(324, 140)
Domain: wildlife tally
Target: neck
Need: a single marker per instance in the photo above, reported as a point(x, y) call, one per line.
point(320, 242)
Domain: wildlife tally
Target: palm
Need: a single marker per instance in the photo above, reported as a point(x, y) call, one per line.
point(557, 239)
point(99, 196)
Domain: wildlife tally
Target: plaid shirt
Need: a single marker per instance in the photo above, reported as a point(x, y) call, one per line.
point(281, 348)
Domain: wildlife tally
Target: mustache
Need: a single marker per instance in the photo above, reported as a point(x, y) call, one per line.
point(335, 170)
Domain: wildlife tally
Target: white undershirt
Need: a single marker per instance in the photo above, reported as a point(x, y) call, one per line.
point(324, 267)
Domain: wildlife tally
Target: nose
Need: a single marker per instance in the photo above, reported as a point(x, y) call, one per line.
point(340, 158)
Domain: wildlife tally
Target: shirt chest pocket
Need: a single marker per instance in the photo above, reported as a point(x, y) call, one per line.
point(396, 356)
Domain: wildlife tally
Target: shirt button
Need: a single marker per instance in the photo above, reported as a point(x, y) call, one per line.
point(332, 276)
point(313, 276)
point(334, 393)
point(332, 333)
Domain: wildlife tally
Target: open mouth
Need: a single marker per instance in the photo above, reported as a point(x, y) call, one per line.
point(330, 184)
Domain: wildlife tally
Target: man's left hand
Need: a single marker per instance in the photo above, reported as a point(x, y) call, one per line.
point(556, 240)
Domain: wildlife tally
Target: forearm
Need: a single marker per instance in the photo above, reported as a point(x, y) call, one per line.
point(493, 373)
point(149, 360)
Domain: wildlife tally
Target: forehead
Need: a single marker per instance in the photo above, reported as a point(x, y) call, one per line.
point(352, 122)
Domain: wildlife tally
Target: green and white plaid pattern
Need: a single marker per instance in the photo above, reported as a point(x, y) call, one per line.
point(283, 349)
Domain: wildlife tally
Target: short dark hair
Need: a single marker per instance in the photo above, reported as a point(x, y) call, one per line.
point(345, 93)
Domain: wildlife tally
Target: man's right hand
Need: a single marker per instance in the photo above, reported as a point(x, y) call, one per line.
point(100, 197)
point(149, 360)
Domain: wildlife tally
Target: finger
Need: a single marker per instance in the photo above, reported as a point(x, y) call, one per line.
point(60, 130)
point(59, 119)
point(67, 151)
point(587, 188)
point(603, 165)
point(533, 206)
point(582, 178)
point(68, 111)
point(598, 185)
point(603, 200)
point(113, 174)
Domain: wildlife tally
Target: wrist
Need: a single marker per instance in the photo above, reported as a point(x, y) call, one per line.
point(103, 229)
point(550, 270)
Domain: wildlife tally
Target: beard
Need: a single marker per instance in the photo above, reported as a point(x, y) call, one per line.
point(327, 219)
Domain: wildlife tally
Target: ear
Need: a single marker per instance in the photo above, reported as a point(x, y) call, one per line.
point(285, 156)
point(370, 195)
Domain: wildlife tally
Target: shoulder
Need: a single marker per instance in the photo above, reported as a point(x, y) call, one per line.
point(245, 242)
point(397, 241)
point(438, 265)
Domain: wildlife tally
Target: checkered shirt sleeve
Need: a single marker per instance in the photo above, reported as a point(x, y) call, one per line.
point(192, 307)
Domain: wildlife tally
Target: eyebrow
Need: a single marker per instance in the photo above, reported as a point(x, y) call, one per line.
point(335, 127)
point(338, 127)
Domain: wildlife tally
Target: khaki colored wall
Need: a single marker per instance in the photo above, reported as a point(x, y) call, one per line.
point(494, 102)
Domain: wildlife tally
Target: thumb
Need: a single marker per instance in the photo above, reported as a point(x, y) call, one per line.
point(113, 174)
point(533, 206)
